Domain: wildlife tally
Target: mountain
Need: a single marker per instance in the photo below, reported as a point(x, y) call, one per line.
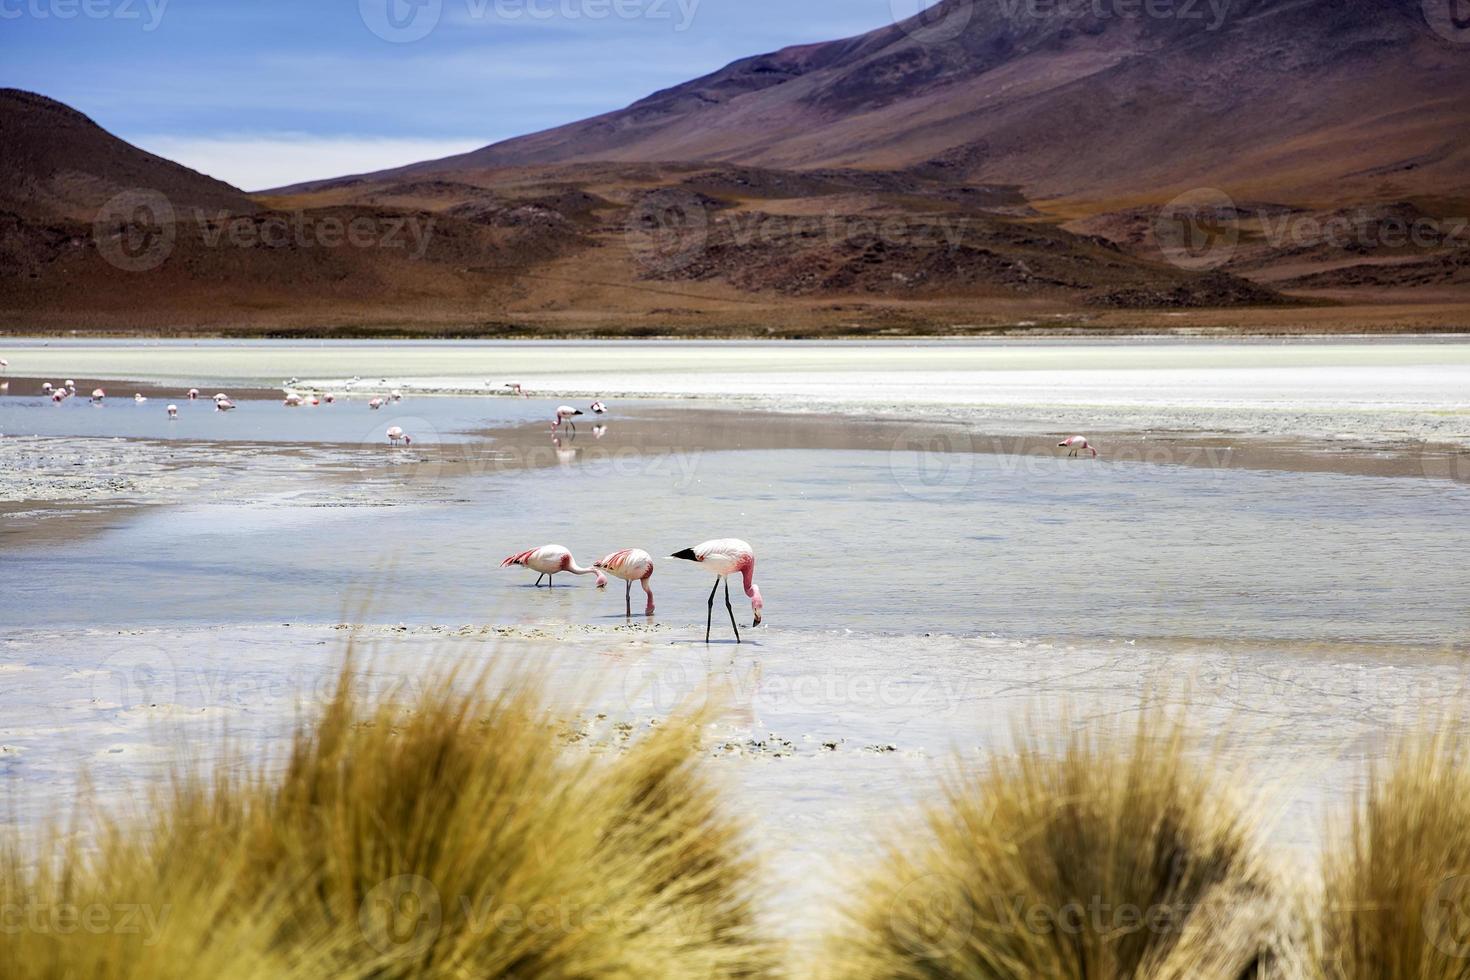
point(58, 164)
point(1279, 165)
point(1082, 100)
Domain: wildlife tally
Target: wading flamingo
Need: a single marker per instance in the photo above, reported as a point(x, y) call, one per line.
point(138, 398)
point(726, 556)
point(598, 408)
point(550, 559)
point(223, 405)
point(193, 394)
point(59, 395)
point(396, 435)
point(564, 416)
point(396, 395)
point(631, 565)
point(173, 411)
point(1076, 444)
point(4, 365)
point(292, 400)
point(97, 395)
point(46, 388)
point(515, 389)
point(71, 387)
point(375, 403)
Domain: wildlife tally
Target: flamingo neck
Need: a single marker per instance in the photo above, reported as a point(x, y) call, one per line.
point(576, 569)
point(752, 590)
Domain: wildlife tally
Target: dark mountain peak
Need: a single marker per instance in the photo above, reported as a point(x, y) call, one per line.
point(59, 164)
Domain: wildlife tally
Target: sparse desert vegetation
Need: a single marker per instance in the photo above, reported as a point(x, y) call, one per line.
point(462, 833)
point(451, 835)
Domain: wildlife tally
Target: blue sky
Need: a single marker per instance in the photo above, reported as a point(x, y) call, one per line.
point(265, 92)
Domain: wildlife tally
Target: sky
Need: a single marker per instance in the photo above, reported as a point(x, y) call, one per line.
point(263, 93)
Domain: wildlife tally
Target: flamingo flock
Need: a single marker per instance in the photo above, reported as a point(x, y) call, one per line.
point(723, 557)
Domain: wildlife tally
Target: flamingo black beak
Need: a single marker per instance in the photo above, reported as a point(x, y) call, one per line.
point(687, 554)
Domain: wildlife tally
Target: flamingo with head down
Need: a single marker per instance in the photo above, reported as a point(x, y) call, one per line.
point(727, 556)
point(550, 559)
point(1076, 444)
point(631, 565)
point(564, 416)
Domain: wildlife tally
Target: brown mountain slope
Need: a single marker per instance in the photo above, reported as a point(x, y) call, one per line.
point(58, 164)
point(1324, 100)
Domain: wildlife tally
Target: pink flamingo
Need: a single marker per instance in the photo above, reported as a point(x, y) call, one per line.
point(550, 559)
point(292, 400)
point(631, 565)
point(726, 556)
point(46, 388)
point(223, 405)
point(375, 403)
point(193, 394)
point(173, 411)
point(598, 408)
point(397, 435)
point(1076, 443)
point(564, 416)
point(515, 389)
point(4, 365)
point(97, 395)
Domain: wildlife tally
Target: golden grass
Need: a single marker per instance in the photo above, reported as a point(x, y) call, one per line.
point(1118, 857)
point(1396, 891)
point(456, 835)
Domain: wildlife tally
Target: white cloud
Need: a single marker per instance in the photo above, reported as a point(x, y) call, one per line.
point(259, 162)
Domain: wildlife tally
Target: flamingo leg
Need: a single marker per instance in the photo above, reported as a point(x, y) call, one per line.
point(731, 610)
point(709, 616)
point(628, 600)
point(539, 578)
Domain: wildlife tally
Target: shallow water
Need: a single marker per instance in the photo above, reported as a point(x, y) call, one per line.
point(1399, 388)
point(869, 541)
point(348, 420)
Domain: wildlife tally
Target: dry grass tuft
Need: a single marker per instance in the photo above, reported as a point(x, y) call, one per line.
point(455, 835)
point(1396, 895)
point(1117, 858)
